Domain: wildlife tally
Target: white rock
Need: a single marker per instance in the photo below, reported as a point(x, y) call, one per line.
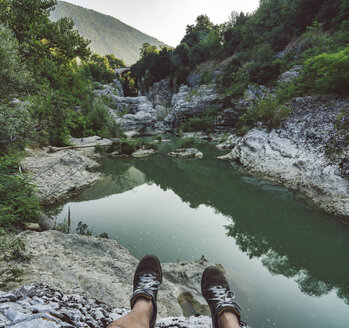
point(187, 153)
point(144, 152)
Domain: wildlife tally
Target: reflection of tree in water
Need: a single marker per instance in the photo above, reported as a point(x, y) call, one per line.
point(289, 237)
point(121, 176)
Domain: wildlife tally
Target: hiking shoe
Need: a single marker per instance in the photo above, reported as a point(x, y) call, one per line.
point(219, 297)
point(146, 283)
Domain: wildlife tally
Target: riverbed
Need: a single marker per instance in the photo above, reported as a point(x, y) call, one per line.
point(286, 260)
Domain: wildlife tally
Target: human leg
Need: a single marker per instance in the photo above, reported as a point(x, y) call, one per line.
point(146, 283)
point(215, 289)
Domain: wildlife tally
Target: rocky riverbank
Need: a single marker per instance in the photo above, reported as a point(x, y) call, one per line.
point(77, 281)
point(307, 153)
point(38, 306)
point(296, 153)
point(60, 174)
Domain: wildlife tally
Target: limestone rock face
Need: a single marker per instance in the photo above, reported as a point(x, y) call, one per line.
point(290, 75)
point(58, 175)
point(103, 270)
point(295, 153)
point(160, 94)
point(227, 119)
point(133, 105)
point(113, 89)
point(188, 103)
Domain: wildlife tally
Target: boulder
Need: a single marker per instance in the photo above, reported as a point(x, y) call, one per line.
point(143, 153)
point(60, 174)
point(187, 153)
point(188, 103)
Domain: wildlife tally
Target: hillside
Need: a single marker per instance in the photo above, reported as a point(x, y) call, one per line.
point(108, 35)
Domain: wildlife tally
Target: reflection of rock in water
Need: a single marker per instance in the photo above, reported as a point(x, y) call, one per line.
point(115, 183)
point(319, 264)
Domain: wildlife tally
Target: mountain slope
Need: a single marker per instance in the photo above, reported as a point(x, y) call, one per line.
point(108, 35)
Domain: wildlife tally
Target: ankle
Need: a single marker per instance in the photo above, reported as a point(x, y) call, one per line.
point(144, 306)
point(228, 320)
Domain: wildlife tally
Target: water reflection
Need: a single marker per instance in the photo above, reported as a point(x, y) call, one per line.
point(290, 237)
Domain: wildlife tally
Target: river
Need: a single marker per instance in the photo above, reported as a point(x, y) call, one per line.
point(287, 261)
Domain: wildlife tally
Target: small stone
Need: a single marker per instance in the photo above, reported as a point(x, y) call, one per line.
point(32, 226)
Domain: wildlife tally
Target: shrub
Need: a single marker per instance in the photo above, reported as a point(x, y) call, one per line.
point(268, 111)
point(83, 229)
point(19, 202)
point(190, 142)
point(127, 148)
point(328, 73)
point(13, 74)
point(198, 124)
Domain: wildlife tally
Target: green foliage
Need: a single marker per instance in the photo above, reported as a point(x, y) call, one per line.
point(19, 202)
point(14, 76)
point(190, 142)
point(98, 68)
point(65, 226)
point(198, 124)
point(328, 73)
point(104, 235)
point(204, 123)
point(17, 127)
point(129, 85)
point(114, 62)
point(83, 229)
point(108, 35)
point(268, 111)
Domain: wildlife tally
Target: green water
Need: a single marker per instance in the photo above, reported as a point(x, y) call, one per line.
point(287, 262)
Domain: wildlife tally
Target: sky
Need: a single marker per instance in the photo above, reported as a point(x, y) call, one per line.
point(166, 19)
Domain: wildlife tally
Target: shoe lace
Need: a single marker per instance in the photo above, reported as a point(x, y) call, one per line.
point(148, 282)
point(223, 297)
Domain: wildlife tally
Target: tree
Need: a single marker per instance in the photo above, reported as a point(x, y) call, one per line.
point(38, 37)
point(114, 62)
point(147, 49)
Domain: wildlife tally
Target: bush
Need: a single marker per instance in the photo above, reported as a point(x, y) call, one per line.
point(328, 73)
point(198, 124)
point(127, 148)
point(268, 111)
point(19, 202)
point(13, 74)
point(188, 143)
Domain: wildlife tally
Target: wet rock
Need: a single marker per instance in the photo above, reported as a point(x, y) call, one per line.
point(187, 153)
point(144, 153)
